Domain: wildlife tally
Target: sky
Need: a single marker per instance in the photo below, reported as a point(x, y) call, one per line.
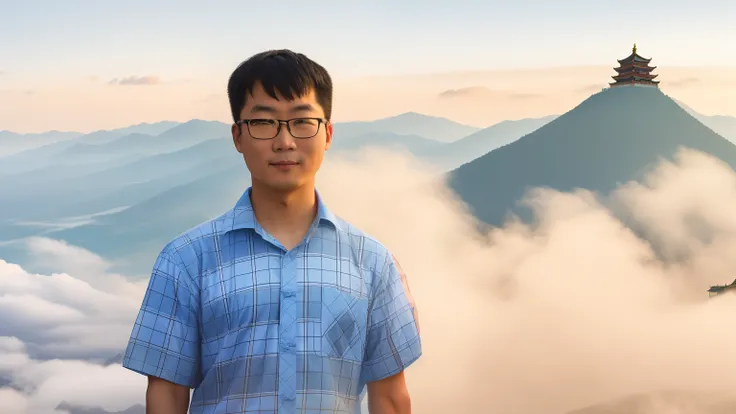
point(86, 65)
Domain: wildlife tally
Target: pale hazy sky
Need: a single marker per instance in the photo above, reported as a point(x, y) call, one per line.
point(58, 58)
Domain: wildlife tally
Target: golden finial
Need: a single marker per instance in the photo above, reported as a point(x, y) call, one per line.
point(634, 49)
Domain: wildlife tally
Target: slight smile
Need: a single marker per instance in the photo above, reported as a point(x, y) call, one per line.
point(284, 165)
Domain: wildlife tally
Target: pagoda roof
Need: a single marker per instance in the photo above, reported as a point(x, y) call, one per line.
point(642, 76)
point(634, 80)
point(634, 68)
point(634, 57)
point(630, 81)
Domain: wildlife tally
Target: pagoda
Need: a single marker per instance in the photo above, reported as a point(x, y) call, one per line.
point(634, 70)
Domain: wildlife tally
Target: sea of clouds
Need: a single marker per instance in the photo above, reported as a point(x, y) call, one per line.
point(572, 311)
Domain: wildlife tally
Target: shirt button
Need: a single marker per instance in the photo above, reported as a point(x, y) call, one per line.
point(288, 293)
point(286, 346)
point(289, 397)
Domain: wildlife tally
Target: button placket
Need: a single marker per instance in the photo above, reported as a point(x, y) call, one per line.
point(288, 328)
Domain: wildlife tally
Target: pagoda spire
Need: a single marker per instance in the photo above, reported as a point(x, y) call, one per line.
point(633, 50)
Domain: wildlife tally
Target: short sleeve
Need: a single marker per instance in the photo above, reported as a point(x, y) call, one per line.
point(393, 342)
point(165, 340)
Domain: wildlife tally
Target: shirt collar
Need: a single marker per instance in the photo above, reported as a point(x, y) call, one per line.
point(243, 217)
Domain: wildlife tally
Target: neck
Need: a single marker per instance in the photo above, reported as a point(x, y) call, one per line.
point(284, 214)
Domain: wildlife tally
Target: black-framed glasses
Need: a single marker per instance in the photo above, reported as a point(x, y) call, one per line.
point(301, 128)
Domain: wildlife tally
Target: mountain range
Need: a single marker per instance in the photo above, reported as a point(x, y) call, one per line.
point(85, 188)
point(97, 190)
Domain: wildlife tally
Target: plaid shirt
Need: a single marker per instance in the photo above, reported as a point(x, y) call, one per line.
point(254, 328)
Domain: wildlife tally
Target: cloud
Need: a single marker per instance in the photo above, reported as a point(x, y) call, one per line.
point(136, 80)
point(59, 331)
point(40, 386)
point(481, 92)
point(573, 310)
point(85, 316)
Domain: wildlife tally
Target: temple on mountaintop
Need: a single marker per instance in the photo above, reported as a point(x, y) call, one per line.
point(634, 70)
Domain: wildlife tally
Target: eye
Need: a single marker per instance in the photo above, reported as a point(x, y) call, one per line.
point(262, 122)
point(305, 121)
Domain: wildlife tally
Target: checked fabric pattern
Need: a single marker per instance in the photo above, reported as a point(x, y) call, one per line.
point(254, 328)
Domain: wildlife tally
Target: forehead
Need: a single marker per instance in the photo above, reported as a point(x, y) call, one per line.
point(259, 101)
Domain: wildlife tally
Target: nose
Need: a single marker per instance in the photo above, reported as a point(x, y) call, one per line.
point(283, 140)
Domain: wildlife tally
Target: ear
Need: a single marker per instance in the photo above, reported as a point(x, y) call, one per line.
point(328, 129)
point(235, 131)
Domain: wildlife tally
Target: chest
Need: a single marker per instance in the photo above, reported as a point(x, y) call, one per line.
point(247, 284)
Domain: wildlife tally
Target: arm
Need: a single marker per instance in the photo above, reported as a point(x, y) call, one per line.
point(164, 397)
point(164, 343)
point(393, 342)
point(389, 396)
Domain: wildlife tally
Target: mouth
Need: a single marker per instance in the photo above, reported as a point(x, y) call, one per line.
point(283, 163)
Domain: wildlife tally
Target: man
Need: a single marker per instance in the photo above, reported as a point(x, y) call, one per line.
point(278, 305)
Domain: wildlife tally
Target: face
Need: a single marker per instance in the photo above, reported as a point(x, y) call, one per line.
point(283, 163)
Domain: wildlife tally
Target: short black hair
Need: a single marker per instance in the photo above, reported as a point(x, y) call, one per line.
point(290, 73)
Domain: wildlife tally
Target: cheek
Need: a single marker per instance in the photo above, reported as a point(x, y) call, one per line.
point(313, 153)
point(253, 154)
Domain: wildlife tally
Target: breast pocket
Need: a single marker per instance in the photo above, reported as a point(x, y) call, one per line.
point(343, 325)
point(344, 314)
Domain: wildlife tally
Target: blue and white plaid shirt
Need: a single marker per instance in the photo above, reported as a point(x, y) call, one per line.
point(254, 328)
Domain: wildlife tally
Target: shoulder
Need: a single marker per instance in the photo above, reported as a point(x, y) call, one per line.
point(371, 253)
point(187, 248)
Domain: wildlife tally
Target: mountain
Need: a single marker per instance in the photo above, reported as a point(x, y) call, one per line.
point(475, 145)
point(136, 139)
point(723, 125)
point(103, 136)
point(145, 128)
point(613, 136)
point(108, 146)
point(414, 144)
point(447, 155)
point(180, 136)
point(45, 195)
point(138, 233)
point(189, 133)
point(33, 158)
point(61, 172)
point(410, 123)
point(13, 143)
point(110, 149)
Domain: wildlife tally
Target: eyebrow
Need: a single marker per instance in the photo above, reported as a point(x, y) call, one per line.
point(302, 108)
point(271, 110)
point(262, 108)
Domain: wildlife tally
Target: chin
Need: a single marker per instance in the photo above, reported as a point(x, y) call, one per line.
point(284, 185)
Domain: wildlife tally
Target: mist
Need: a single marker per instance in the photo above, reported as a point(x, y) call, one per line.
point(569, 311)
